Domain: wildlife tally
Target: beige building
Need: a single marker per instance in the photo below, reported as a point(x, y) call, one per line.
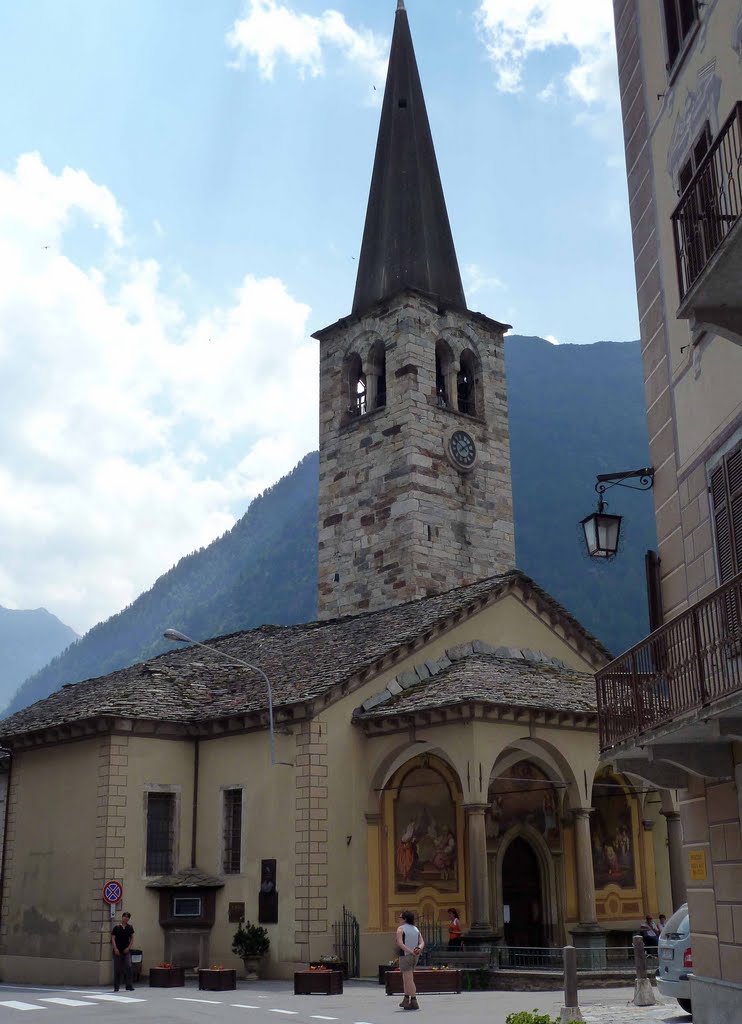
point(437, 747)
point(672, 707)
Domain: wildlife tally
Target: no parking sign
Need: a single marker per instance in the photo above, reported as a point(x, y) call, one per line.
point(112, 893)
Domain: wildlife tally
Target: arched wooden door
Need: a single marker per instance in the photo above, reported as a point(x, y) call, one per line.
point(521, 895)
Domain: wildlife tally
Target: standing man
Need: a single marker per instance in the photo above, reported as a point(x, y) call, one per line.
point(121, 939)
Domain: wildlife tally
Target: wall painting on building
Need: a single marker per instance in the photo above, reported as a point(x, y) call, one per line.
point(524, 795)
point(425, 839)
point(613, 840)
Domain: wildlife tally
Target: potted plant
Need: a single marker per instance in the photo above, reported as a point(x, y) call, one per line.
point(251, 943)
point(166, 975)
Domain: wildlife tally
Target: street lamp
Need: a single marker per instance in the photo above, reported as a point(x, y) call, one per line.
point(602, 529)
point(180, 638)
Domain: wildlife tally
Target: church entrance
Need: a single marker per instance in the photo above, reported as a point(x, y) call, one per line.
point(521, 895)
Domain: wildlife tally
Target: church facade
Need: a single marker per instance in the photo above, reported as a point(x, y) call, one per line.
point(433, 738)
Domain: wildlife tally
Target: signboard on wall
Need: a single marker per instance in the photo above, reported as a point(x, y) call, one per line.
point(697, 865)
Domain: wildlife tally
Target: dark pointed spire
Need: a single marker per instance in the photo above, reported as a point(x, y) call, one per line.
point(407, 241)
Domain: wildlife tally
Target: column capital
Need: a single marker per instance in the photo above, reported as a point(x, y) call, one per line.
point(475, 808)
point(582, 812)
point(671, 815)
point(647, 824)
point(374, 819)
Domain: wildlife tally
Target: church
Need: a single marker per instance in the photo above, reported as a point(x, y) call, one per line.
point(430, 742)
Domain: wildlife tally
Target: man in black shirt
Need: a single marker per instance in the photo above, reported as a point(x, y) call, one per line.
point(121, 939)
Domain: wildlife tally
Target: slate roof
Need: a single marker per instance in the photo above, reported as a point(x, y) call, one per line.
point(189, 686)
point(535, 682)
point(191, 878)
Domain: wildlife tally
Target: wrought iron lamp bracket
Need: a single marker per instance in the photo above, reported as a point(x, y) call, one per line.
point(644, 481)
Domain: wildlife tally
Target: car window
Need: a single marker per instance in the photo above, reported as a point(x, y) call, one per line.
point(679, 923)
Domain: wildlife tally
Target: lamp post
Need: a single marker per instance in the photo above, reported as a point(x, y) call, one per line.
point(177, 637)
point(602, 529)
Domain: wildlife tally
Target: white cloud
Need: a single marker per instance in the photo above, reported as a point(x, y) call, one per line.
point(552, 340)
point(116, 405)
point(478, 280)
point(513, 30)
point(269, 30)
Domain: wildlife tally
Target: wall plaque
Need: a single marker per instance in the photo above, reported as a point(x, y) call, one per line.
point(697, 865)
point(236, 913)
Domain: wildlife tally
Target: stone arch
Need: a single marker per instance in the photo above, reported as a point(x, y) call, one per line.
point(354, 385)
point(376, 375)
point(469, 393)
point(445, 374)
point(395, 759)
point(551, 760)
point(552, 917)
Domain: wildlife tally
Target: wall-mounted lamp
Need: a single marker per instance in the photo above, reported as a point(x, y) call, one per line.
point(602, 529)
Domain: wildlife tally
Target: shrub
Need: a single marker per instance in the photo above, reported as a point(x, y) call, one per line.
point(250, 940)
point(530, 1017)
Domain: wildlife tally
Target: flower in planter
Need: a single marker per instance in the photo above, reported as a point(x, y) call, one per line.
point(165, 966)
point(218, 967)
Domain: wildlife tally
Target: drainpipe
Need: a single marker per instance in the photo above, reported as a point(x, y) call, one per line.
point(194, 817)
point(5, 832)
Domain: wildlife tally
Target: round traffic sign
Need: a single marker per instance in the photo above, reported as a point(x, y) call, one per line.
point(112, 892)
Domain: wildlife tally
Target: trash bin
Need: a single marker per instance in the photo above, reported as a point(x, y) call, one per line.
point(136, 964)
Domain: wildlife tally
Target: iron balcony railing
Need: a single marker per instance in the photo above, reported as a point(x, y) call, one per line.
point(711, 204)
point(685, 665)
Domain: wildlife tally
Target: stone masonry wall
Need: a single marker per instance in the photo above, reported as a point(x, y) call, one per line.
point(311, 813)
point(110, 833)
point(397, 520)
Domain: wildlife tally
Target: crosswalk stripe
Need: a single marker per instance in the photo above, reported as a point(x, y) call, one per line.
point(245, 1006)
point(185, 999)
point(61, 1001)
point(290, 1012)
point(106, 998)
point(14, 1004)
point(318, 1016)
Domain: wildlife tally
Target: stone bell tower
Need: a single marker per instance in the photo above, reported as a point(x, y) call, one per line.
point(415, 494)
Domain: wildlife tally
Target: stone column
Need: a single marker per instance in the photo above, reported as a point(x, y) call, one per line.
point(588, 934)
point(479, 894)
point(675, 855)
point(372, 391)
point(585, 875)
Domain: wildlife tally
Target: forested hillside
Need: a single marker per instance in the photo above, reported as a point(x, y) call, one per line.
point(28, 639)
point(575, 410)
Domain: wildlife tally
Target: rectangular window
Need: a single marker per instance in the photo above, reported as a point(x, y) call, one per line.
point(680, 18)
point(160, 833)
point(232, 831)
point(726, 499)
point(186, 906)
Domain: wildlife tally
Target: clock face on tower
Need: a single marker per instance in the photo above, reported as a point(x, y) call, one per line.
point(462, 450)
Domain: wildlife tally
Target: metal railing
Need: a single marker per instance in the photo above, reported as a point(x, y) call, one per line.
point(683, 666)
point(531, 958)
point(711, 204)
point(348, 942)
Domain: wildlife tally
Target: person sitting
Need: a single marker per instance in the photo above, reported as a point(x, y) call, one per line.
point(650, 932)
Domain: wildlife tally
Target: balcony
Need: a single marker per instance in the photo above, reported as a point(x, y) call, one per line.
point(707, 228)
point(682, 685)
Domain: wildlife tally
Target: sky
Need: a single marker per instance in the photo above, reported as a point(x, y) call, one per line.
point(183, 187)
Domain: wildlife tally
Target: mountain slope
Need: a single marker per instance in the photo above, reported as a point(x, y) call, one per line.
point(28, 639)
point(575, 411)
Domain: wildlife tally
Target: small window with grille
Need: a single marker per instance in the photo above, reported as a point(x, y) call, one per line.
point(160, 833)
point(232, 831)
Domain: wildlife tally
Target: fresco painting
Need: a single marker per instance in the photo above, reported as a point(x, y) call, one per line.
point(614, 857)
point(425, 839)
point(524, 795)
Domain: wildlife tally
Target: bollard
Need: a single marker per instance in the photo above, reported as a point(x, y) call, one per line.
point(571, 1008)
point(643, 991)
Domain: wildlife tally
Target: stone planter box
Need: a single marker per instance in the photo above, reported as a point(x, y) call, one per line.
point(426, 980)
point(334, 965)
point(166, 977)
point(326, 983)
point(217, 981)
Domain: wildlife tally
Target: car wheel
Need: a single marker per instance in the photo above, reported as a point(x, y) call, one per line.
point(685, 1005)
